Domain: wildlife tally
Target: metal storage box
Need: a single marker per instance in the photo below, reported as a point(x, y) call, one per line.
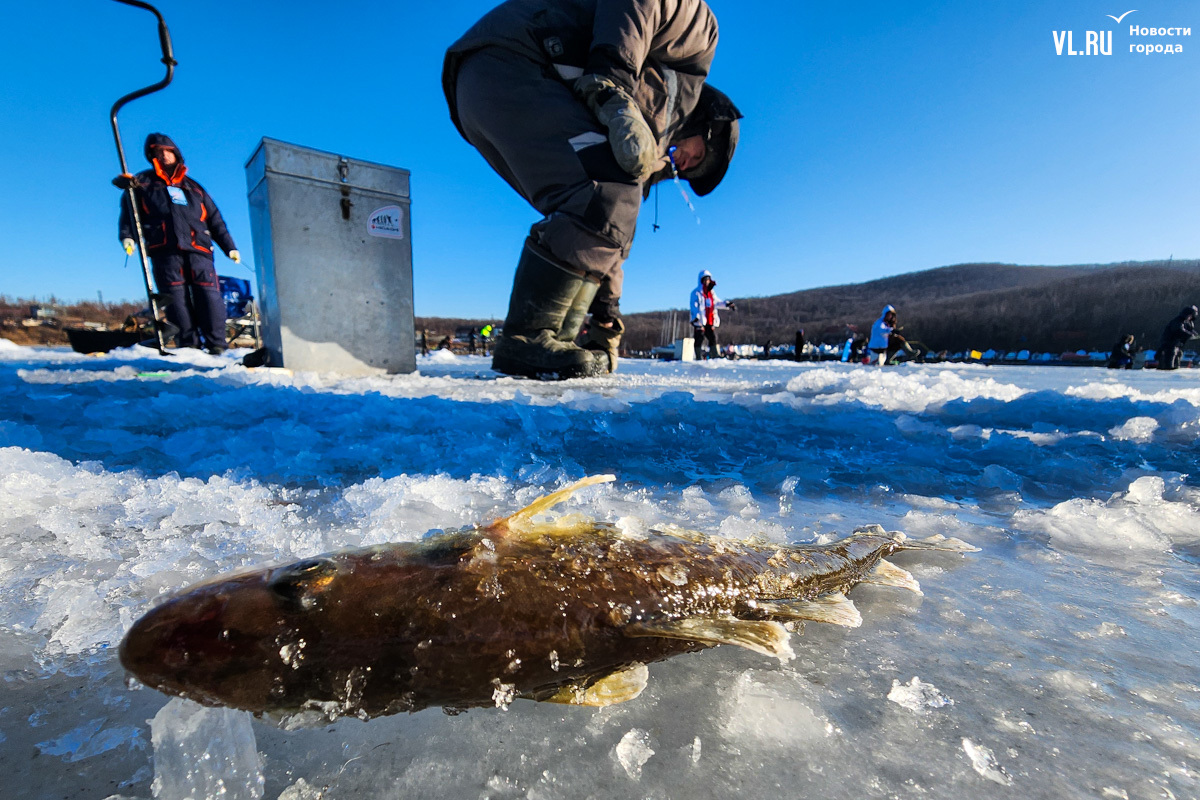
point(333, 251)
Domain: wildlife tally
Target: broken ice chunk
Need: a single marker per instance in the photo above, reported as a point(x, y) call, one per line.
point(89, 739)
point(917, 696)
point(204, 752)
point(301, 790)
point(983, 762)
point(633, 751)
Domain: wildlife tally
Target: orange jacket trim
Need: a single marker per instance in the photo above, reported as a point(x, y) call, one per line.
point(173, 181)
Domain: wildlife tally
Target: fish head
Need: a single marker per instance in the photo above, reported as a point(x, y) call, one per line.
point(236, 641)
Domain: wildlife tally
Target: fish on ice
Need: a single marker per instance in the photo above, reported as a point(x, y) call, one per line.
point(564, 610)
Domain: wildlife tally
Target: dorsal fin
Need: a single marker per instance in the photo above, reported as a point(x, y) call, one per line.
point(521, 518)
point(762, 636)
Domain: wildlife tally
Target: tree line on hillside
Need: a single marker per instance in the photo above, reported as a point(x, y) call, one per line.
point(1081, 313)
point(977, 306)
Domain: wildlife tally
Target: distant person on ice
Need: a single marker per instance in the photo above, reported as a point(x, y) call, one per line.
point(581, 105)
point(1122, 353)
point(886, 340)
point(1177, 333)
point(180, 222)
point(705, 319)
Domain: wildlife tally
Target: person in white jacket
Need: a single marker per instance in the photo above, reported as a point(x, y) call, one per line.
point(886, 342)
point(881, 330)
point(705, 319)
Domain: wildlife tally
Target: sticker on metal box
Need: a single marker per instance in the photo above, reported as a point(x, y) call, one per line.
point(386, 222)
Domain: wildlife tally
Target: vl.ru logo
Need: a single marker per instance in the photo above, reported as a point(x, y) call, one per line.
point(1096, 43)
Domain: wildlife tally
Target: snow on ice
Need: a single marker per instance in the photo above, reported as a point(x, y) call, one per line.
point(1068, 644)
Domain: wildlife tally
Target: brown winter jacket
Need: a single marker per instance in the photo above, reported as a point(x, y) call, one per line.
point(659, 50)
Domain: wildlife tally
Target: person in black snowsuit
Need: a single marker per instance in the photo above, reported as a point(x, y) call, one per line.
point(1122, 353)
point(180, 223)
point(1175, 336)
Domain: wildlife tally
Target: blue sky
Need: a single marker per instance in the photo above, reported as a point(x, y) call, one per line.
point(880, 138)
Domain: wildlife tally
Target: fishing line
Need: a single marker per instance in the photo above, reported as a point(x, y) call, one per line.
point(675, 175)
point(244, 266)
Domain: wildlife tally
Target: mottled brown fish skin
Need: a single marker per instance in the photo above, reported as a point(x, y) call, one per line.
point(474, 618)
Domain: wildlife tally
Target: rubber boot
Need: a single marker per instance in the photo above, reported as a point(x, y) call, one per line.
point(579, 310)
point(605, 340)
point(543, 294)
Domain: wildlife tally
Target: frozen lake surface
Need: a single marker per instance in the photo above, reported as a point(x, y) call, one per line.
point(1059, 662)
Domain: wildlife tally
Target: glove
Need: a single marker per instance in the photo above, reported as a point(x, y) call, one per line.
point(605, 340)
point(732, 306)
point(124, 181)
point(629, 136)
point(128, 245)
point(235, 256)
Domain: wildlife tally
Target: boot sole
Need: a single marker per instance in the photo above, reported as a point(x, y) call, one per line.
point(516, 368)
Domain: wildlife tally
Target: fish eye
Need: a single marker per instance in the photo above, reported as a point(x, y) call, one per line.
point(309, 566)
point(303, 582)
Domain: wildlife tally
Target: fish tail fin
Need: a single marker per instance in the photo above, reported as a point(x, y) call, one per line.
point(901, 542)
point(553, 499)
point(936, 542)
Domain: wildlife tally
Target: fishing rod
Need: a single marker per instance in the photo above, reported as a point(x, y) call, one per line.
point(125, 179)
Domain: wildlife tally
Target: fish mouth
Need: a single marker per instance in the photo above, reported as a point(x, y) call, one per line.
point(206, 646)
point(162, 646)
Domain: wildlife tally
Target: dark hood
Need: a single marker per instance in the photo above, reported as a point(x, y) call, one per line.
point(160, 140)
point(716, 119)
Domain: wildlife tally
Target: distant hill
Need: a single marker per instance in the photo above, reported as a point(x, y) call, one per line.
point(980, 306)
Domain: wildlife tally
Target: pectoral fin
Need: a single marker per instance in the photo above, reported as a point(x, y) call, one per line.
point(762, 636)
point(609, 690)
point(834, 608)
point(886, 573)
